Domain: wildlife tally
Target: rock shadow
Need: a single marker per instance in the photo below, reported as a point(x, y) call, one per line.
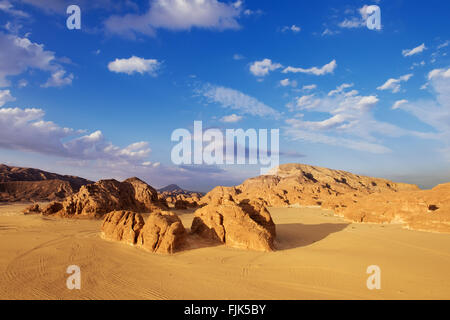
point(296, 235)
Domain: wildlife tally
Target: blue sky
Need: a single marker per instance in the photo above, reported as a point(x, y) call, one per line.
point(103, 101)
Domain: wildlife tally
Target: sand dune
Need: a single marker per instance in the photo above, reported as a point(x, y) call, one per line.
point(318, 256)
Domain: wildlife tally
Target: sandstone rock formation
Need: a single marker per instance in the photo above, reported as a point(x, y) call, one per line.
point(163, 232)
point(124, 226)
point(426, 210)
point(104, 196)
point(52, 208)
point(26, 184)
point(297, 184)
point(245, 224)
point(355, 197)
point(33, 209)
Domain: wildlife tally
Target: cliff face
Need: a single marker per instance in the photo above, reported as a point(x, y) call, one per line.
point(27, 184)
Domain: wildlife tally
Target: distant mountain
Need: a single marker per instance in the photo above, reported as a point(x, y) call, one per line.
point(28, 184)
point(172, 188)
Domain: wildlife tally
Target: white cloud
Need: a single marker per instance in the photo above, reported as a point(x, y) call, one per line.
point(394, 84)
point(236, 100)
point(5, 96)
point(238, 56)
point(293, 28)
point(351, 122)
point(328, 68)
point(309, 87)
point(328, 32)
point(134, 65)
point(7, 7)
point(435, 112)
point(340, 88)
point(352, 23)
point(439, 73)
point(263, 67)
point(59, 79)
point(232, 118)
point(26, 130)
point(287, 82)
point(177, 15)
point(416, 50)
point(17, 55)
point(398, 103)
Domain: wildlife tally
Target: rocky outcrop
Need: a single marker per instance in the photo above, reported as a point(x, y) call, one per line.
point(33, 209)
point(52, 208)
point(163, 232)
point(426, 210)
point(104, 196)
point(186, 199)
point(243, 225)
point(124, 226)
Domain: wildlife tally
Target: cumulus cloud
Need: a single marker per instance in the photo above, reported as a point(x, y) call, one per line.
point(350, 124)
point(20, 54)
point(394, 84)
point(232, 118)
point(134, 65)
point(27, 130)
point(177, 15)
point(263, 67)
point(5, 96)
point(416, 50)
point(328, 68)
point(236, 100)
point(59, 79)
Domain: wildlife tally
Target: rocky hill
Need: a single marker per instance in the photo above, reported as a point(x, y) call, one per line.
point(27, 184)
point(355, 197)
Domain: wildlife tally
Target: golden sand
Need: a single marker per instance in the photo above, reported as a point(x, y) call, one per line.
point(318, 256)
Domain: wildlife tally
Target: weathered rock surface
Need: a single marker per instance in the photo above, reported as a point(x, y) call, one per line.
point(355, 197)
point(104, 196)
point(124, 226)
point(426, 210)
point(33, 209)
point(52, 208)
point(243, 225)
point(163, 232)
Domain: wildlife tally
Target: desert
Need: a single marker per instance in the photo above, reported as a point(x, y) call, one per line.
point(296, 233)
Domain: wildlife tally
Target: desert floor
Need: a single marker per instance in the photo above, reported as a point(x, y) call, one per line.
point(319, 257)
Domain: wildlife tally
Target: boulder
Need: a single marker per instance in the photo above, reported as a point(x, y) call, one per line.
point(163, 232)
point(246, 225)
point(124, 226)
